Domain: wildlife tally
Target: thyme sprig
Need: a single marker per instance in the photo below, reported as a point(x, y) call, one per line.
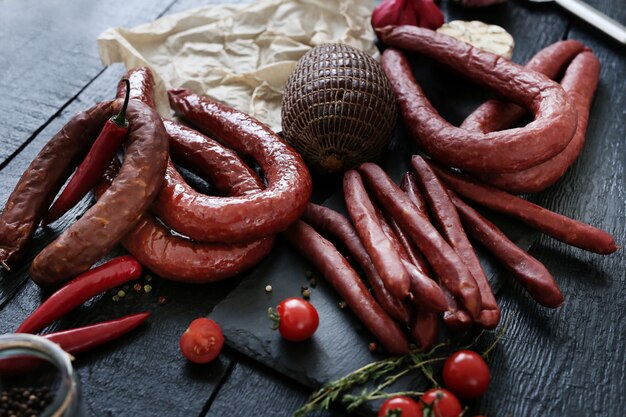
point(391, 369)
point(336, 390)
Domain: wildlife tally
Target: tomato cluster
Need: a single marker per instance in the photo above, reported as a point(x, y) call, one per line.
point(465, 374)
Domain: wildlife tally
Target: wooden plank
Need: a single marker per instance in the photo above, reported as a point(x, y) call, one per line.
point(49, 55)
point(571, 360)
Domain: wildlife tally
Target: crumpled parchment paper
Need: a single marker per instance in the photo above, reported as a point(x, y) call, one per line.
point(239, 54)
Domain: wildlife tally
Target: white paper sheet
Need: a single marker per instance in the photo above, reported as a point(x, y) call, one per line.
point(239, 54)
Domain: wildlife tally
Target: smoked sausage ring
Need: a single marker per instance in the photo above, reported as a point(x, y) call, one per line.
point(180, 259)
point(246, 217)
point(152, 243)
point(502, 151)
point(580, 82)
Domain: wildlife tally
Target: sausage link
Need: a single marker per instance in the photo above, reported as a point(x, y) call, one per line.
point(496, 114)
point(408, 184)
point(441, 257)
point(413, 255)
point(502, 151)
point(141, 86)
point(425, 329)
point(118, 209)
point(380, 249)
point(531, 273)
point(336, 269)
point(426, 293)
point(45, 175)
point(552, 224)
point(455, 317)
point(251, 216)
point(449, 224)
point(580, 82)
point(330, 222)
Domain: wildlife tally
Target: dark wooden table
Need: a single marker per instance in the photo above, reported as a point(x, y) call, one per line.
point(550, 363)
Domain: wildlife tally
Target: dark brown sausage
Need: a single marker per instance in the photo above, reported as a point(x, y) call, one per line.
point(580, 82)
point(426, 293)
point(496, 114)
point(529, 271)
point(141, 86)
point(449, 224)
point(120, 207)
point(45, 175)
point(556, 225)
point(455, 318)
point(441, 257)
point(336, 269)
point(502, 151)
point(179, 259)
point(329, 222)
point(244, 217)
point(380, 249)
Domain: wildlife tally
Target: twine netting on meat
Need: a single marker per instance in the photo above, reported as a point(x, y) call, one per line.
point(338, 108)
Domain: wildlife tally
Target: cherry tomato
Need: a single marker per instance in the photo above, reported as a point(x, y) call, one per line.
point(466, 374)
point(400, 407)
point(442, 402)
point(298, 319)
point(202, 341)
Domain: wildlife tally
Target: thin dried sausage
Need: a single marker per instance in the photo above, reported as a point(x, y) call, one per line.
point(336, 269)
point(455, 317)
point(532, 274)
point(328, 221)
point(563, 228)
point(383, 254)
point(426, 293)
point(441, 257)
point(449, 224)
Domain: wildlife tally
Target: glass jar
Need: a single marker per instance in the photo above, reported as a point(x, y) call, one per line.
point(37, 377)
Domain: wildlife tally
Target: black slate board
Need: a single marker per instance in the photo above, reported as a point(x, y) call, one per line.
point(340, 345)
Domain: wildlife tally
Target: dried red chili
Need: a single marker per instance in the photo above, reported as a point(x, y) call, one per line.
point(89, 172)
point(109, 275)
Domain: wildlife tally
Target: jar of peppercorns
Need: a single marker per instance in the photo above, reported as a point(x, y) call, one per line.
point(36, 378)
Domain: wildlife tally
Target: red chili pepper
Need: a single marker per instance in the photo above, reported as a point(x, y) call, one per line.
point(75, 341)
point(109, 275)
point(78, 340)
point(95, 163)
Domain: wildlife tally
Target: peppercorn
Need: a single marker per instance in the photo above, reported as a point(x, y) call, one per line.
point(161, 300)
point(18, 402)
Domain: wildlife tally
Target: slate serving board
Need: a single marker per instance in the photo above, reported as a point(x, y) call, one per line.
point(340, 345)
